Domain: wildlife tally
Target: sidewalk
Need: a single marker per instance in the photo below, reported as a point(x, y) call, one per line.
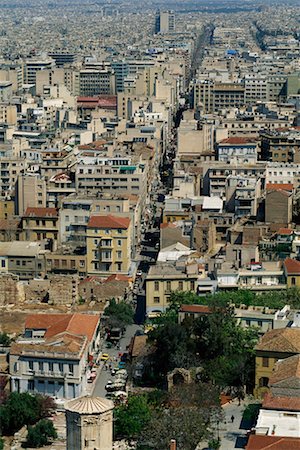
point(231, 434)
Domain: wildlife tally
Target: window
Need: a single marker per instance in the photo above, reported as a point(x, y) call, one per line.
point(180, 285)
point(60, 367)
point(192, 285)
point(119, 241)
point(30, 363)
point(168, 285)
point(120, 231)
point(18, 263)
point(119, 266)
point(41, 366)
point(156, 285)
point(81, 263)
point(119, 254)
point(30, 385)
point(156, 299)
point(259, 323)
point(248, 323)
point(293, 281)
point(71, 369)
point(3, 263)
point(265, 362)
point(95, 241)
point(50, 366)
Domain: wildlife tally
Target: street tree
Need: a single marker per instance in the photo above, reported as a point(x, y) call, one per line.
point(40, 434)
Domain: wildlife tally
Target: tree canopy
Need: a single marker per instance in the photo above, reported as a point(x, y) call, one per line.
point(215, 342)
point(119, 314)
point(23, 409)
point(41, 434)
point(4, 339)
point(132, 417)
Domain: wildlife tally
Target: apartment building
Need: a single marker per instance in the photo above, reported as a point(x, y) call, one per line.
point(51, 358)
point(111, 175)
point(162, 279)
point(40, 224)
point(281, 146)
point(10, 169)
point(109, 243)
point(238, 150)
point(32, 67)
point(25, 259)
point(91, 82)
point(30, 192)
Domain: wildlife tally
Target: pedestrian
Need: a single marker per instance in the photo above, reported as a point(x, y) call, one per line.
point(232, 419)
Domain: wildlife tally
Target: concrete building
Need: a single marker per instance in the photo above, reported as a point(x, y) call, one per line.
point(32, 67)
point(279, 204)
point(109, 242)
point(89, 423)
point(164, 22)
point(52, 355)
point(30, 192)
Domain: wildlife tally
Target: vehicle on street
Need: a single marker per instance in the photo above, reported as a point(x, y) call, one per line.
point(104, 357)
point(139, 273)
point(115, 335)
point(122, 365)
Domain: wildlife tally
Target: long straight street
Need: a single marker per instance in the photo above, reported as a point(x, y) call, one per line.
point(104, 375)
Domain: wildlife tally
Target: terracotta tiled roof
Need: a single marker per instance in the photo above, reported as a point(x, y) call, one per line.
point(282, 340)
point(109, 222)
point(285, 369)
point(292, 266)
point(281, 403)
point(236, 140)
point(279, 187)
point(286, 231)
point(117, 277)
point(68, 343)
point(257, 442)
point(195, 309)
point(79, 324)
point(41, 212)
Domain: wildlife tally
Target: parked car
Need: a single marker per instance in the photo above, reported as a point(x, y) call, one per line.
point(122, 365)
point(104, 357)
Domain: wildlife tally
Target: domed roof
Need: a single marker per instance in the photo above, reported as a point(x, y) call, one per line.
point(89, 405)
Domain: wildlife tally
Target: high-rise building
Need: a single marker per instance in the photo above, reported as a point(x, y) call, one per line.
point(164, 22)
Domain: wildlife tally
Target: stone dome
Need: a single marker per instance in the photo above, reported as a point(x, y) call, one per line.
point(89, 405)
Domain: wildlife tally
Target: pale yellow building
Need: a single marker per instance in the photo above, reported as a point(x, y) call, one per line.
point(162, 280)
point(39, 224)
point(274, 345)
point(109, 240)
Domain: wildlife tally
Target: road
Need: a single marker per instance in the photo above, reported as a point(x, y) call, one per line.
point(104, 375)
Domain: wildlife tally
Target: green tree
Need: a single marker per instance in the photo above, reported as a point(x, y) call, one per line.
point(4, 339)
point(131, 417)
point(1, 444)
point(173, 348)
point(23, 409)
point(41, 434)
point(119, 314)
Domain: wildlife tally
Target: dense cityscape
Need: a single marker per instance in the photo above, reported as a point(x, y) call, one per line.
point(149, 225)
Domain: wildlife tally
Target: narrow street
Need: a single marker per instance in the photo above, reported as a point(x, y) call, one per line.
point(104, 375)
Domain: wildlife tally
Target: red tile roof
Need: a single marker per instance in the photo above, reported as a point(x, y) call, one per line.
point(41, 212)
point(286, 231)
point(292, 266)
point(236, 140)
point(282, 340)
point(109, 221)
point(200, 309)
point(78, 324)
point(117, 277)
point(281, 403)
point(257, 442)
point(279, 187)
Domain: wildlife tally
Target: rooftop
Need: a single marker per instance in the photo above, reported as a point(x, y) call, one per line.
point(109, 221)
point(89, 405)
point(282, 340)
